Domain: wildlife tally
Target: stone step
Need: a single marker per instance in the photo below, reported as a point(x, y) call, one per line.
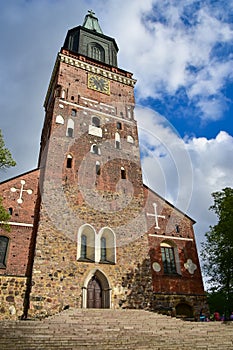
point(113, 329)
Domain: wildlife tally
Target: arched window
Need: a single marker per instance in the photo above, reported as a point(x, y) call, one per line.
point(107, 246)
point(123, 173)
point(4, 241)
point(130, 139)
point(95, 122)
point(95, 149)
point(69, 162)
point(86, 243)
point(170, 258)
point(70, 128)
point(97, 168)
point(117, 140)
point(96, 51)
point(59, 119)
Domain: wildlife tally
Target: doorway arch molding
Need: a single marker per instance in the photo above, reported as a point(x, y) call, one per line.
point(105, 288)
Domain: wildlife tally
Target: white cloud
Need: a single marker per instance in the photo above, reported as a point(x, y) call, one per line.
point(185, 172)
point(164, 50)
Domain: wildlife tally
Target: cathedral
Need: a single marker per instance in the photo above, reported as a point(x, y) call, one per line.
point(85, 232)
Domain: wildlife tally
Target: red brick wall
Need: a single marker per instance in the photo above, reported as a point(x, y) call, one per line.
point(20, 235)
point(184, 241)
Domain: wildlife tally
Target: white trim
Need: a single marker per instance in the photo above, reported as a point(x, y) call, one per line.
point(98, 112)
point(16, 224)
point(88, 99)
point(171, 237)
point(87, 66)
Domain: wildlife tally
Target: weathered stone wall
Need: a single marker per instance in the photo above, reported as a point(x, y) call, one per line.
point(58, 278)
point(168, 303)
point(12, 296)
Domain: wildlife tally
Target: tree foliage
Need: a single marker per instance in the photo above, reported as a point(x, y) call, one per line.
point(217, 250)
point(6, 161)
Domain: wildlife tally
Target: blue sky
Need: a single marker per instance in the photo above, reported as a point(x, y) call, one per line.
point(181, 53)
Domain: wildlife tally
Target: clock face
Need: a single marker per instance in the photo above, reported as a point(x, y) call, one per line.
point(98, 83)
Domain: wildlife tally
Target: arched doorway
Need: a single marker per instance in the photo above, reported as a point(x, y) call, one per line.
point(96, 291)
point(184, 310)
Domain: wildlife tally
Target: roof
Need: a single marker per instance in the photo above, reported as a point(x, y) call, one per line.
point(91, 22)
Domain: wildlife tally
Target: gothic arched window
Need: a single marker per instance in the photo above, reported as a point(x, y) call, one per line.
point(96, 51)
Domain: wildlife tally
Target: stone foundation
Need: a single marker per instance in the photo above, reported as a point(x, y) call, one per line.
point(12, 296)
point(183, 306)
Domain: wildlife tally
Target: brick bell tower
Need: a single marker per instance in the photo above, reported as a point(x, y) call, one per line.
point(97, 245)
point(91, 182)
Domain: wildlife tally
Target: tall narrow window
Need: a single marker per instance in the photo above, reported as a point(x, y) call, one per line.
point(103, 256)
point(119, 126)
point(83, 254)
point(4, 241)
point(10, 211)
point(69, 161)
point(129, 113)
point(168, 259)
point(86, 243)
point(107, 245)
point(97, 168)
point(123, 173)
point(70, 128)
point(63, 94)
point(117, 141)
point(96, 51)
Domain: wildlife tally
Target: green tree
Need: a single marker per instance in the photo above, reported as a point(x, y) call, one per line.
point(6, 161)
point(217, 250)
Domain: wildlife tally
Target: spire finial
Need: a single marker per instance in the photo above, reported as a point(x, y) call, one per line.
point(91, 22)
point(91, 13)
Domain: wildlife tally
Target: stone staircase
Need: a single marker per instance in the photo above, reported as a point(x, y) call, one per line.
point(99, 329)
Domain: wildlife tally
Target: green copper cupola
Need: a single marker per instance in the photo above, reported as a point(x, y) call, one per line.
point(88, 40)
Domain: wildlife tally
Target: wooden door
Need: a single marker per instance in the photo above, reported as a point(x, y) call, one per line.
point(94, 294)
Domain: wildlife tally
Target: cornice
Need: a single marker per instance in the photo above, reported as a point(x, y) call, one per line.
point(96, 70)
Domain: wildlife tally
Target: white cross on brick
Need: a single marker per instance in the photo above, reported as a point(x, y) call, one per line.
point(21, 190)
point(156, 216)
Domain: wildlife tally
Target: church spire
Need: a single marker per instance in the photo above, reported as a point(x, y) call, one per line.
point(91, 22)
